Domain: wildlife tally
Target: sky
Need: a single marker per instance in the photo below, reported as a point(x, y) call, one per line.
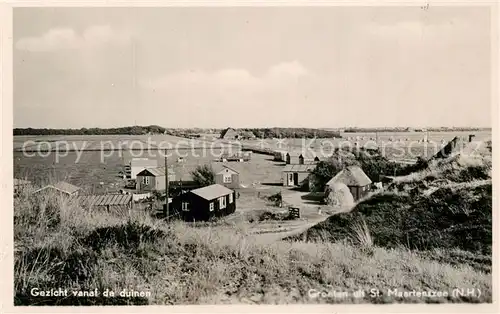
point(252, 67)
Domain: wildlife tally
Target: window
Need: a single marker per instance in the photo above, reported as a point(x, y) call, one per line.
point(231, 198)
point(211, 206)
point(227, 179)
point(222, 202)
point(185, 206)
point(145, 180)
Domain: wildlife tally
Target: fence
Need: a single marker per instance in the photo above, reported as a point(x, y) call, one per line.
point(294, 212)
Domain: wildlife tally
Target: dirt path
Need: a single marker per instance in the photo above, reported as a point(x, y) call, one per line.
point(270, 235)
point(312, 212)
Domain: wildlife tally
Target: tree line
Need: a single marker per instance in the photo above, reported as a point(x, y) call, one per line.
point(133, 130)
point(189, 132)
point(127, 130)
point(292, 133)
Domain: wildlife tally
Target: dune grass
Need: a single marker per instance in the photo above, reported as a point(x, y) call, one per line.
point(59, 244)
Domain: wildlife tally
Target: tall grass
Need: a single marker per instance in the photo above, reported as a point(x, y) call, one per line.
point(361, 233)
point(61, 244)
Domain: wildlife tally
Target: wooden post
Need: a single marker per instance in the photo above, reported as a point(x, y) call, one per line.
point(167, 211)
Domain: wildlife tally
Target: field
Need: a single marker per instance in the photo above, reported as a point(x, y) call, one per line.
point(397, 145)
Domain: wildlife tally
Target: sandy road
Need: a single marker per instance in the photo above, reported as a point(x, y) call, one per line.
point(269, 235)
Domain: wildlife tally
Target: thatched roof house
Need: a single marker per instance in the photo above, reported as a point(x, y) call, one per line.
point(354, 178)
point(229, 134)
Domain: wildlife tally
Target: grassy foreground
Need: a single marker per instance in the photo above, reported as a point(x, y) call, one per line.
point(59, 245)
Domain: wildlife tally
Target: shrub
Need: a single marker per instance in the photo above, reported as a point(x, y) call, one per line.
point(203, 175)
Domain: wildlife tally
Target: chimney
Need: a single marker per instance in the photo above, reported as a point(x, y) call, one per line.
point(471, 136)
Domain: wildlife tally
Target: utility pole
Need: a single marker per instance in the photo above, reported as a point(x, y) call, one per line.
point(167, 212)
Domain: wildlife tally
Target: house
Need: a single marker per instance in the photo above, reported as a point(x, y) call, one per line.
point(116, 203)
point(229, 134)
point(20, 184)
point(355, 179)
point(298, 158)
point(62, 187)
point(153, 179)
point(139, 164)
point(226, 176)
point(295, 175)
point(204, 203)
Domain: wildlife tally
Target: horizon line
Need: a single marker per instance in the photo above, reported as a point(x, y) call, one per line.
point(258, 127)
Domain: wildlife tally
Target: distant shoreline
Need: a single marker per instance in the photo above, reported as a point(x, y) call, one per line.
point(346, 131)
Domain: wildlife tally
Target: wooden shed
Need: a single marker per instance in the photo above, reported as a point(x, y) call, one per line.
point(139, 164)
point(280, 155)
point(153, 179)
point(204, 203)
point(61, 187)
point(294, 175)
point(116, 203)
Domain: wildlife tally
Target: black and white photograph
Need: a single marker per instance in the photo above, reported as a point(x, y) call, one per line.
point(251, 155)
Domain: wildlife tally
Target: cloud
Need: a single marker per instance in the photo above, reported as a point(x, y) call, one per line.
point(290, 69)
point(67, 39)
point(276, 76)
point(229, 90)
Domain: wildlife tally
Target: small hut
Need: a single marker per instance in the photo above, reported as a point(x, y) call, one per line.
point(61, 187)
point(116, 203)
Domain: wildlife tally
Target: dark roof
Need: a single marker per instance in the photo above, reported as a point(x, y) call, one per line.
point(351, 176)
point(173, 175)
point(218, 167)
point(104, 200)
point(299, 168)
point(224, 132)
point(62, 186)
point(156, 172)
point(212, 191)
